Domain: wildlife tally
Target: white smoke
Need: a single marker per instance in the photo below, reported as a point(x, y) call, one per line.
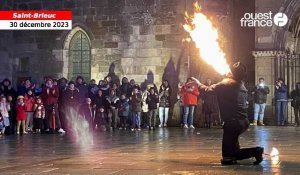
point(80, 129)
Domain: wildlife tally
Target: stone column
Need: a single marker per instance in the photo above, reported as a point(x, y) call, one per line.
point(265, 66)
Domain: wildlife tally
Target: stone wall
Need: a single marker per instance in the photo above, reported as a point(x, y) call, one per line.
point(140, 39)
point(265, 36)
point(136, 36)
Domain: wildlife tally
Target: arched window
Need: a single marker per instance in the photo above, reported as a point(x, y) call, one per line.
point(80, 55)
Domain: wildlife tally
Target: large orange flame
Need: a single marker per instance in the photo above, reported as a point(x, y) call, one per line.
point(205, 36)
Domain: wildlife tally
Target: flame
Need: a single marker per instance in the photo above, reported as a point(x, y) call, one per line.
point(205, 36)
point(274, 155)
point(274, 152)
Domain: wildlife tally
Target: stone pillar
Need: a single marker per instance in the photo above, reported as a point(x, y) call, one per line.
point(264, 67)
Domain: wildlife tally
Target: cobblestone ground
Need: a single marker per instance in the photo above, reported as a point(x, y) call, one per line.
point(163, 151)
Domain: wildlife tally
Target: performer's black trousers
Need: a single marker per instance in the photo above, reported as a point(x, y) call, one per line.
point(230, 145)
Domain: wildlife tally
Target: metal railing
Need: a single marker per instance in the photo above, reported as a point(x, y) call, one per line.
point(288, 67)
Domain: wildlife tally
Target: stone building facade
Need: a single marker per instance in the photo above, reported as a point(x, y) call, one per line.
point(139, 39)
point(277, 51)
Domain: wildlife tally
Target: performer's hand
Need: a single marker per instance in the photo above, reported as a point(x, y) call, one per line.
point(196, 81)
point(179, 86)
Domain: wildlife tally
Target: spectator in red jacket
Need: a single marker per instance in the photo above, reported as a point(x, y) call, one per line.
point(50, 95)
point(190, 95)
point(21, 114)
point(29, 102)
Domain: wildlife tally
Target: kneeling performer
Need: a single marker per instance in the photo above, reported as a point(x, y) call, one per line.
point(232, 97)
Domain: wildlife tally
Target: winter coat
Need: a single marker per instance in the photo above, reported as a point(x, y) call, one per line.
point(152, 101)
point(38, 110)
point(83, 92)
point(260, 94)
point(281, 93)
point(105, 90)
point(4, 109)
point(7, 90)
point(50, 98)
point(144, 98)
point(164, 96)
point(71, 98)
point(100, 102)
point(124, 107)
point(22, 89)
point(210, 102)
point(136, 102)
point(124, 89)
point(61, 90)
point(112, 102)
point(21, 114)
point(92, 90)
point(295, 95)
point(190, 94)
point(232, 97)
point(29, 102)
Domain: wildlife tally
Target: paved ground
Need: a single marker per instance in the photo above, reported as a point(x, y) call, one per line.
point(163, 151)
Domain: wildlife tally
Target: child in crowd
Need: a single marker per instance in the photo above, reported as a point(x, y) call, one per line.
point(29, 102)
point(152, 101)
point(100, 119)
point(21, 114)
point(4, 109)
point(38, 114)
point(123, 111)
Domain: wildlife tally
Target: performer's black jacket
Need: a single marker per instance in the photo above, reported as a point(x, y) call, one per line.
point(232, 97)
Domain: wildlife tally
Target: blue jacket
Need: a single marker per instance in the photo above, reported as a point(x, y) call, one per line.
point(281, 93)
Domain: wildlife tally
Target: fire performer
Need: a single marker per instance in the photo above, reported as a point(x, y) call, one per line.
point(232, 98)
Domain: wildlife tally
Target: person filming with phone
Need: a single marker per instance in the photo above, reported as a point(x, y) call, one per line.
point(260, 98)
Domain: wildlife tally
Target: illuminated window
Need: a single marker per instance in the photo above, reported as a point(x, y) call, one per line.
point(80, 55)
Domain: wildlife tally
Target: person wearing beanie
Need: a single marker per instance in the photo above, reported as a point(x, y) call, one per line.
point(232, 97)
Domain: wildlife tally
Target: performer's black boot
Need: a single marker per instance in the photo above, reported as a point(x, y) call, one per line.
point(258, 155)
point(228, 161)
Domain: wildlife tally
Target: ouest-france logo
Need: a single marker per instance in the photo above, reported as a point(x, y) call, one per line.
point(264, 19)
